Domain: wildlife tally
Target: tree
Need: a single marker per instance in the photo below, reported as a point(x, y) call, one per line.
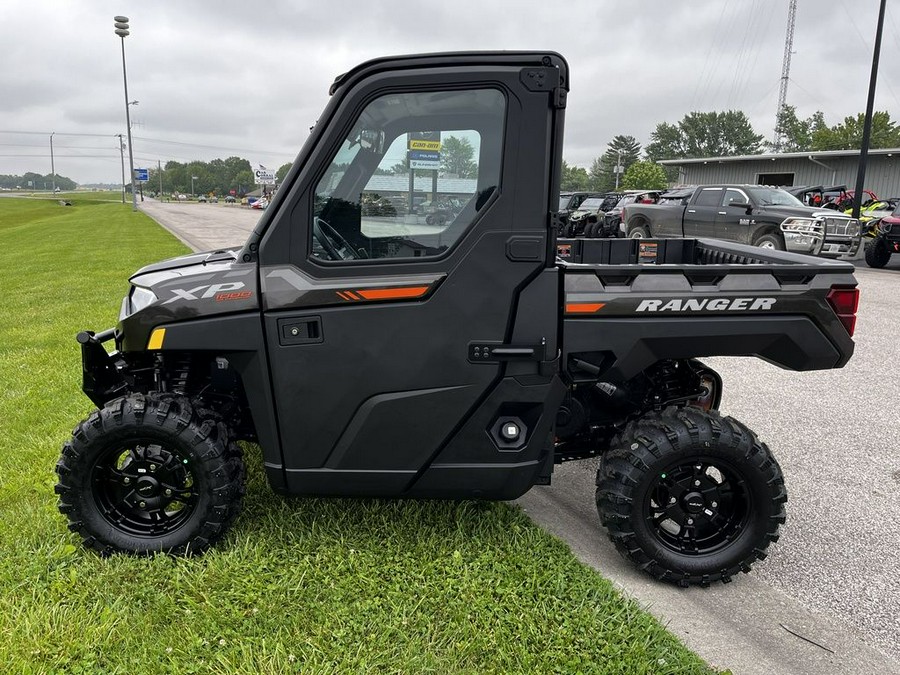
point(38, 181)
point(574, 178)
point(644, 176)
point(795, 134)
point(282, 172)
point(622, 151)
point(457, 157)
point(705, 134)
point(848, 134)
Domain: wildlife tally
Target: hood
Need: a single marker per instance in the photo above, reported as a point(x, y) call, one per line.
point(799, 211)
point(189, 260)
point(194, 286)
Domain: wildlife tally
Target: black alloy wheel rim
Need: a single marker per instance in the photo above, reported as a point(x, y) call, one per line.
point(697, 507)
point(144, 489)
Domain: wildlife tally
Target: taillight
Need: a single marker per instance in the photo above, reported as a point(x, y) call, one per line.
point(845, 303)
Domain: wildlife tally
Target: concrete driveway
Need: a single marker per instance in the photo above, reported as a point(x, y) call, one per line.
point(827, 600)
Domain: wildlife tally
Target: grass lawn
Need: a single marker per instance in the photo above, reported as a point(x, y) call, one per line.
point(299, 585)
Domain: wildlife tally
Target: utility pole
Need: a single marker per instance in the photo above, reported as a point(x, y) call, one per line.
point(159, 171)
point(785, 71)
point(618, 167)
point(867, 126)
point(52, 165)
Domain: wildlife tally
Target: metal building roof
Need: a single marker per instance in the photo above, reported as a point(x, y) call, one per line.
point(823, 154)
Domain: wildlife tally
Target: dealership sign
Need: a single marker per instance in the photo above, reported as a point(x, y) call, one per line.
point(264, 176)
point(424, 149)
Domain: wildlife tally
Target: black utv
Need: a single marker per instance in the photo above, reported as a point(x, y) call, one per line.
point(379, 356)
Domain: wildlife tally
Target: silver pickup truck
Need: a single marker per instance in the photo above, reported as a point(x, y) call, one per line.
point(750, 214)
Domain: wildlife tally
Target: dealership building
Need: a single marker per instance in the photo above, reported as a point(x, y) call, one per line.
point(832, 167)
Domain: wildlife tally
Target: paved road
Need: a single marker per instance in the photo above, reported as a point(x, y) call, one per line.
point(204, 226)
point(834, 577)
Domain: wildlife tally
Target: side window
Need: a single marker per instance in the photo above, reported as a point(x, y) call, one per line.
point(732, 195)
point(709, 197)
point(411, 176)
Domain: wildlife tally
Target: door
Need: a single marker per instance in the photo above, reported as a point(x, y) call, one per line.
point(700, 215)
point(734, 222)
point(381, 317)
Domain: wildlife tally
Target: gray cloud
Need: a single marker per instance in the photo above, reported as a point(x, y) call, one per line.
point(238, 77)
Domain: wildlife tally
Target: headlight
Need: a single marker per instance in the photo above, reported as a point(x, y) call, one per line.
point(137, 299)
point(804, 225)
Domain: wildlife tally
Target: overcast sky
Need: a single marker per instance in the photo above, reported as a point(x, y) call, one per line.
point(215, 79)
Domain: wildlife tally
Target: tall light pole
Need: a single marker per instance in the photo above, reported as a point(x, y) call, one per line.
point(193, 178)
point(122, 157)
point(122, 31)
point(52, 165)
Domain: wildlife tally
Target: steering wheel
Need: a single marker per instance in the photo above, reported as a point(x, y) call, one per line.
point(333, 242)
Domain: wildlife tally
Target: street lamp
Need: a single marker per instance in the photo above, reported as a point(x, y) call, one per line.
point(193, 178)
point(122, 157)
point(121, 23)
point(52, 165)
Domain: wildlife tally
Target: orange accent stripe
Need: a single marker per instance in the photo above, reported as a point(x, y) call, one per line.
point(583, 307)
point(394, 293)
point(343, 295)
point(352, 295)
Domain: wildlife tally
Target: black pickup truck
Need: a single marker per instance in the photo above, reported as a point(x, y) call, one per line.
point(374, 355)
point(751, 214)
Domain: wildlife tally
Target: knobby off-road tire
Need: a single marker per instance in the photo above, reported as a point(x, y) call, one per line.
point(690, 497)
point(877, 254)
point(148, 474)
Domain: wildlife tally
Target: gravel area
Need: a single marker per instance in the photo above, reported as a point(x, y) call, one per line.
point(835, 435)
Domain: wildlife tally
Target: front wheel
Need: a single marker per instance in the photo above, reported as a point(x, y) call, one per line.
point(690, 497)
point(149, 473)
point(770, 241)
point(877, 253)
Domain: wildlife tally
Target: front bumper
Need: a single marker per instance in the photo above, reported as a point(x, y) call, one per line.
point(102, 378)
point(807, 242)
point(838, 246)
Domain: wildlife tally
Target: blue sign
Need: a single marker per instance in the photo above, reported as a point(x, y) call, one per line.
point(142, 175)
point(424, 156)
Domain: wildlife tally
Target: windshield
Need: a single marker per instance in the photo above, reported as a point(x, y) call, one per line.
point(564, 202)
point(592, 203)
point(765, 196)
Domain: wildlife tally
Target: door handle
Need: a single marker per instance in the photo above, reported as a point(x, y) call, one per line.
point(300, 331)
point(491, 352)
point(723, 213)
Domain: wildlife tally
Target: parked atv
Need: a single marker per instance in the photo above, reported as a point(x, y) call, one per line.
point(885, 235)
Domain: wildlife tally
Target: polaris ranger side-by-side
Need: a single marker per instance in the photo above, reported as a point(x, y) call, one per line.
point(382, 355)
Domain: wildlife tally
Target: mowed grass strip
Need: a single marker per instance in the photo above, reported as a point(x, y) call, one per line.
point(299, 585)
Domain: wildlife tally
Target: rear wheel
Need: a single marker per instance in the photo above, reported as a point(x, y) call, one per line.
point(690, 497)
point(148, 474)
point(877, 253)
point(639, 232)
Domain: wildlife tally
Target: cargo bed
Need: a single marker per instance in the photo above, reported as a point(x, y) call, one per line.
point(632, 302)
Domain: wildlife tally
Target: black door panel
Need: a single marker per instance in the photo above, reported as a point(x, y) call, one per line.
point(389, 384)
